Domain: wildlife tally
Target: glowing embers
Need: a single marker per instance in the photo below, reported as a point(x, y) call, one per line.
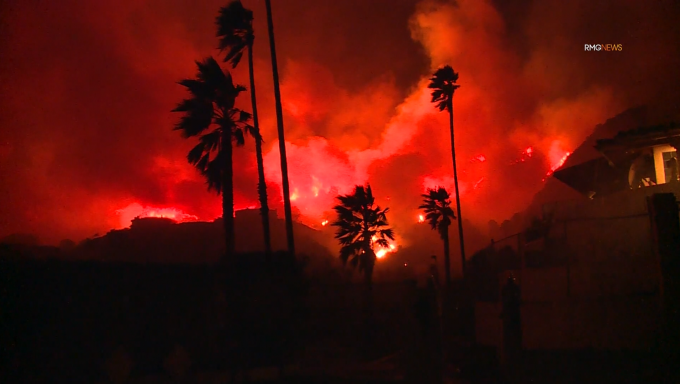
point(526, 154)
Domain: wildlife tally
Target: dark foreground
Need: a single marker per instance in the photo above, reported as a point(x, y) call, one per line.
point(108, 323)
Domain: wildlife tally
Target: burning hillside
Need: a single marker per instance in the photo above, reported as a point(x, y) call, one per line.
point(86, 143)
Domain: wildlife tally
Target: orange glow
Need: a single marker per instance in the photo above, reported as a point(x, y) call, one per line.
point(381, 252)
point(558, 164)
point(134, 210)
point(478, 182)
point(421, 218)
point(323, 223)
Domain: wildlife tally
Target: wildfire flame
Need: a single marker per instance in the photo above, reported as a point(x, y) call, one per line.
point(134, 210)
point(323, 223)
point(421, 218)
point(381, 252)
point(557, 165)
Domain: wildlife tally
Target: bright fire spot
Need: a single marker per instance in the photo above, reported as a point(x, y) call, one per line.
point(480, 158)
point(294, 195)
point(323, 223)
point(529, 151)
point(421, 219)
point(381, 252)
point(134, 210)
point(558, 165)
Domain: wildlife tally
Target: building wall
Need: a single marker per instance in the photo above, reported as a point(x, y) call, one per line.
point(607, 296)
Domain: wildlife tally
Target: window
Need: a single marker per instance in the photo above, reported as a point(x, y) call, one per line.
point(670, 165)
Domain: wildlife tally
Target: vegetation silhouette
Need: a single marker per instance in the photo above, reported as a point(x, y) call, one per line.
point(210, 115)
point(438, 213)
point(282, 141)
point(235, 33)
point(443, 85)
point(361, 226)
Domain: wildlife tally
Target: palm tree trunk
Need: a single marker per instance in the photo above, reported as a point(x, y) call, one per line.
point(228, 195)
point(455, 181)
point(447, 258)
point(282, 141)
point(261, 183)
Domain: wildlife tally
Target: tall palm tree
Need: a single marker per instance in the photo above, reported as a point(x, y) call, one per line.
point(235, 33)
point(361, 226)
point(443, 85)
point(438, 212)
point(209, 114)
point(282, 141)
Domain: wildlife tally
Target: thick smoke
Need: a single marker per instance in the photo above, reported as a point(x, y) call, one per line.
point(87, 89)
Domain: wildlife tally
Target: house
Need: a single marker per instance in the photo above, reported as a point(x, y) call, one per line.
point(637, 158)
point(603, 286)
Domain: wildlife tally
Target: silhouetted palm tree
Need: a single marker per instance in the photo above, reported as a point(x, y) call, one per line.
point(235, 32)
point(282, 141)
point(438, 212)
point(210, 115)
point(361, 226)
point(443, 85)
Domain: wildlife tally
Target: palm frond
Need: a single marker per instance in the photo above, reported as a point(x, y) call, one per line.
point(443, 85)
point(238, 137)
point(357, 223)
point(208, 113)
point(437, 208)
point(234, 31)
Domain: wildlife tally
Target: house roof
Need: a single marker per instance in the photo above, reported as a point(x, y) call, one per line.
point(596, 175)
point(639, 138)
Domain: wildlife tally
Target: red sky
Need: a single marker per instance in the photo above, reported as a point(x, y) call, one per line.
point(87, 88)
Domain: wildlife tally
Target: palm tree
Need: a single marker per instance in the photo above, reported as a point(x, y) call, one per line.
point(282, 141)
point(443, 85)
point(438, 212)
point(209, 114)
point(235, 33)
point(361, 226)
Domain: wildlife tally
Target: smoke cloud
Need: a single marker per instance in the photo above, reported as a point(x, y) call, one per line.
point(85, 127)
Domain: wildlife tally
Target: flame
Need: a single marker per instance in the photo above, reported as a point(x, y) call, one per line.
point(134, 210)
point(323, 223)
point(421, 218)
point(559, 163)
point(381, 252)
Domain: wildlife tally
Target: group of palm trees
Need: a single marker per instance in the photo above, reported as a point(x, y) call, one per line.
point(361, 226)
point(210, 115)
